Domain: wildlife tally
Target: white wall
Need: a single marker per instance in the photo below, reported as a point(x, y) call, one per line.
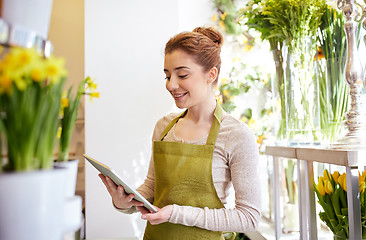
point(124, 44)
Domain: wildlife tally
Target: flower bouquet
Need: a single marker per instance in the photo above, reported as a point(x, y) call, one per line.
point(292, 24)
point(331, 191)
point(70, 105)
point(30, 102)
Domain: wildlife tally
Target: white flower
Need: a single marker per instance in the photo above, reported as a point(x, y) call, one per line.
point(332, 4)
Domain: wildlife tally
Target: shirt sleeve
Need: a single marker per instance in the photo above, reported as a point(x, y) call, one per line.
point(242, 156)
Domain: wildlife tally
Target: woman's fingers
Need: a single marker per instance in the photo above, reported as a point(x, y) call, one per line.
point(119, 197)
point(143, 210)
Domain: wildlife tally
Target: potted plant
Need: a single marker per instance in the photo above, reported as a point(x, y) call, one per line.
point(31, 196)
point(69, 111)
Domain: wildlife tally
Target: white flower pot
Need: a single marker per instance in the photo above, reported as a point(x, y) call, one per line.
point(33, 15)
point(71, 167)
point(32, 204)
point(72, 218)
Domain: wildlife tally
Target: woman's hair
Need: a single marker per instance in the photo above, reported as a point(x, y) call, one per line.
point(203, 44)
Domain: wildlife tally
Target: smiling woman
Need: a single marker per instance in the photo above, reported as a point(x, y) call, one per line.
point(198, 154)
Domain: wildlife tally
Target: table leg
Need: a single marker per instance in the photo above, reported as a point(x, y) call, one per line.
point(353, 200)
point(277, 196)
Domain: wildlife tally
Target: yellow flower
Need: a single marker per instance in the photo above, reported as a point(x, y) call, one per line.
point(223, 16)
point(342, 180)
point(64, 102)
point(59, 131)
point(251, 123)
point(20, 83)
point(244, 119)
point(219, 99)
point(320, 188)
point(260, 139)
point(93, 95)
point(325, 174)
point(5, 83)
point(55, 69)
point(214, 18)
point(37, 74)
point(335, 176)
point(224, 81)
point(222, 25)
point(328, 187)
point(242, 39)
point(236, 59)
point(226, 92)
point(247, 47)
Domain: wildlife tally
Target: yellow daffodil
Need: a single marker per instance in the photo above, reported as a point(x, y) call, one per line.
point(64, 102)
point(328, 187)
point(236, 59)
point(260, 139)
point(5, 83)
point(222, 25)
point(320, 188)
point(224, 81)
point(244, 119)
point(59, 131)
point(214, 18)
point(55, 69)
point(226, 93)
point(251, 123)
point(343, 181)
point(223, 16)
point(93, 95)
point(247, 47)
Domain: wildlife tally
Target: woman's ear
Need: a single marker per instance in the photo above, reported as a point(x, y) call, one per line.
point(212, 75)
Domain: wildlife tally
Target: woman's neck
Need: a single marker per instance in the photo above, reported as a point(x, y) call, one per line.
point(203, 112)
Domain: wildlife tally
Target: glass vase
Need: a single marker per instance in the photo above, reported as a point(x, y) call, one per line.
point(301, 92)
point(279, 95)
point(334, 98)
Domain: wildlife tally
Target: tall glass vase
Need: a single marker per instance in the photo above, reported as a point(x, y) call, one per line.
point(334, 98)
point(301, 90)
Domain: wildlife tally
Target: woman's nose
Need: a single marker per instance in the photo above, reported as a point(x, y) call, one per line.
point(172, 84)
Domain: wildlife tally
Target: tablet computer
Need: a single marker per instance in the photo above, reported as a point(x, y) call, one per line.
point(107, 171)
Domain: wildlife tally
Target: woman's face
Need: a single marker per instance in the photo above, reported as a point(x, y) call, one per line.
point(186, 80)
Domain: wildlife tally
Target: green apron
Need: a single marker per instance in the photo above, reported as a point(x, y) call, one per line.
point(183, 176)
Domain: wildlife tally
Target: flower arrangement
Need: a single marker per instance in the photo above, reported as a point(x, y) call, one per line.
point(70, 105)
point(290, 23)
point(331, 191)
point(30, 102)
point(331, 58)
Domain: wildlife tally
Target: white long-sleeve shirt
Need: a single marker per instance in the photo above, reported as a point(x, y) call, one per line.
point(235, 162)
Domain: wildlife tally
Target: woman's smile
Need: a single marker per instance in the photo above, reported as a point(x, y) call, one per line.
point(178, 96)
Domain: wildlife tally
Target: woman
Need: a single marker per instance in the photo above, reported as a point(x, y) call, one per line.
point(197, 155)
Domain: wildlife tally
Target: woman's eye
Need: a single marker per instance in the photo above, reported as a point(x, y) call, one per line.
point(167, 78)
point(183, 76)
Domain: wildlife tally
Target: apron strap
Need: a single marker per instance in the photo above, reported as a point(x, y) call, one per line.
point(171, 124)
point(215, 127)
point(214, 130)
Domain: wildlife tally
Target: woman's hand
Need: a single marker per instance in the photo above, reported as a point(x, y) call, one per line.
point(119, 198)
point(162, 216)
